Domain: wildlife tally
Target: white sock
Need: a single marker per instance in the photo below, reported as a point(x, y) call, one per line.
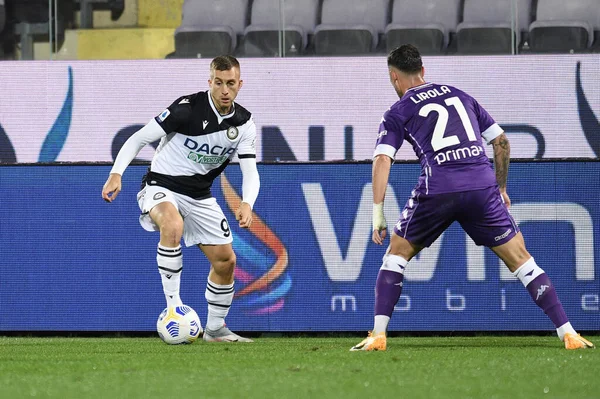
point(565, 328)
point(394, 263)
point(170, 264)
point(381, 323)
point(528, 271)
point(219, 298)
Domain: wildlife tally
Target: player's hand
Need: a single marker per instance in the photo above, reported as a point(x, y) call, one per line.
point(505, 198)
point(244, 215)
point(112, 187)
point(379, 236)
point(379, 224)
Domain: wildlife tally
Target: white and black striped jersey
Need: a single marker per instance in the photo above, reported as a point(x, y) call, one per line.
point(199, 144)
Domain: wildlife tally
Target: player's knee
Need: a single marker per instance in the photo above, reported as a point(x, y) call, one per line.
point(514, 253)
point(225, 266)
point(403, 248)
point(521, 256)
point(229, 264)
point(172, 230)
point(518, 250)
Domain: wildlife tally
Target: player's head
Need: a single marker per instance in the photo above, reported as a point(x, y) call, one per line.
point(224, 81)
point(406, 68)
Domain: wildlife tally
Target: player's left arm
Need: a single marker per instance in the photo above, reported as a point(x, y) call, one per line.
point(250, 176)
point(493, 134)
point(501, 147)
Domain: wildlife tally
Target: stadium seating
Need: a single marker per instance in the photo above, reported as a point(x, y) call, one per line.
point(350, 26)
point(210, 28)
point(301, 27)
point(424, 23)
point(563, 26)
point(487, 26)
point(262, 37)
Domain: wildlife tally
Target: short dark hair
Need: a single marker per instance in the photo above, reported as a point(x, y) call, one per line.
point(406, 58)
point(224, 63)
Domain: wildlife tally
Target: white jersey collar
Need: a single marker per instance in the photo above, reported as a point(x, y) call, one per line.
point(220, 117)
point(419, 87)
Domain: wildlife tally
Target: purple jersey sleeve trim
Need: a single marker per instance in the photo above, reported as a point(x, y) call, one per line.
point(492, 132)
point(385, 149)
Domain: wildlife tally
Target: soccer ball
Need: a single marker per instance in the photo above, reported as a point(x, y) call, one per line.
point(178, 325)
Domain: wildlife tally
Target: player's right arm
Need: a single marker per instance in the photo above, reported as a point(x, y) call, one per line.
point(382, 165)
point(146, 135)
point(168, 121)
point(389, 141)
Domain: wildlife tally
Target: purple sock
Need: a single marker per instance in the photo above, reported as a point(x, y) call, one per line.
point(387, 292)
point(543, 293)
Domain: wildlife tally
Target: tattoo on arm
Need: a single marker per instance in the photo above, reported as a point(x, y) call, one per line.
point(501, 159)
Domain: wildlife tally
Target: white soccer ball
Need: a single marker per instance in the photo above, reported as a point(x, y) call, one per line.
point(178, 325)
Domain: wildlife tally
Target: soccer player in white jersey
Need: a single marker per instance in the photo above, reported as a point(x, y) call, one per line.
point(199, 135)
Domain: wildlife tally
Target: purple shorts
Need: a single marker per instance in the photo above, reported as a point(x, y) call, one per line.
point(481, 213)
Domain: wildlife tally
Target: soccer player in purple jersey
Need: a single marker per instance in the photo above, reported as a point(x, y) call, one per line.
point(445, 127)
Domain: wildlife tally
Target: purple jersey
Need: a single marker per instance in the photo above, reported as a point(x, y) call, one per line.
point(445, 127)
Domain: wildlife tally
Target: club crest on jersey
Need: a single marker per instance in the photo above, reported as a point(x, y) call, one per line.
point(164, 115)
point(232, 133)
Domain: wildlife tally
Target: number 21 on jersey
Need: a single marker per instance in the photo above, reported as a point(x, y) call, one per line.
point(439, 140)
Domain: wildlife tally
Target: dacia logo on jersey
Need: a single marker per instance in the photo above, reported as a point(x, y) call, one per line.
point(232, 133)
point(207, 154)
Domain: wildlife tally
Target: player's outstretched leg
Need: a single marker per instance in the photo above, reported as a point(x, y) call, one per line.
point(540, 288)
point(170, 264)
point(542, 292)
point(387, 292)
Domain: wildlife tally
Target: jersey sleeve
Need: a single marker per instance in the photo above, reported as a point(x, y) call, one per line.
point(390, 136)
point(176, 115)
point(487, 125)
point(146, 135)
point(247, 146)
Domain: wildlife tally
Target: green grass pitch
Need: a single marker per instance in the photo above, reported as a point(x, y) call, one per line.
point(307, 367)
